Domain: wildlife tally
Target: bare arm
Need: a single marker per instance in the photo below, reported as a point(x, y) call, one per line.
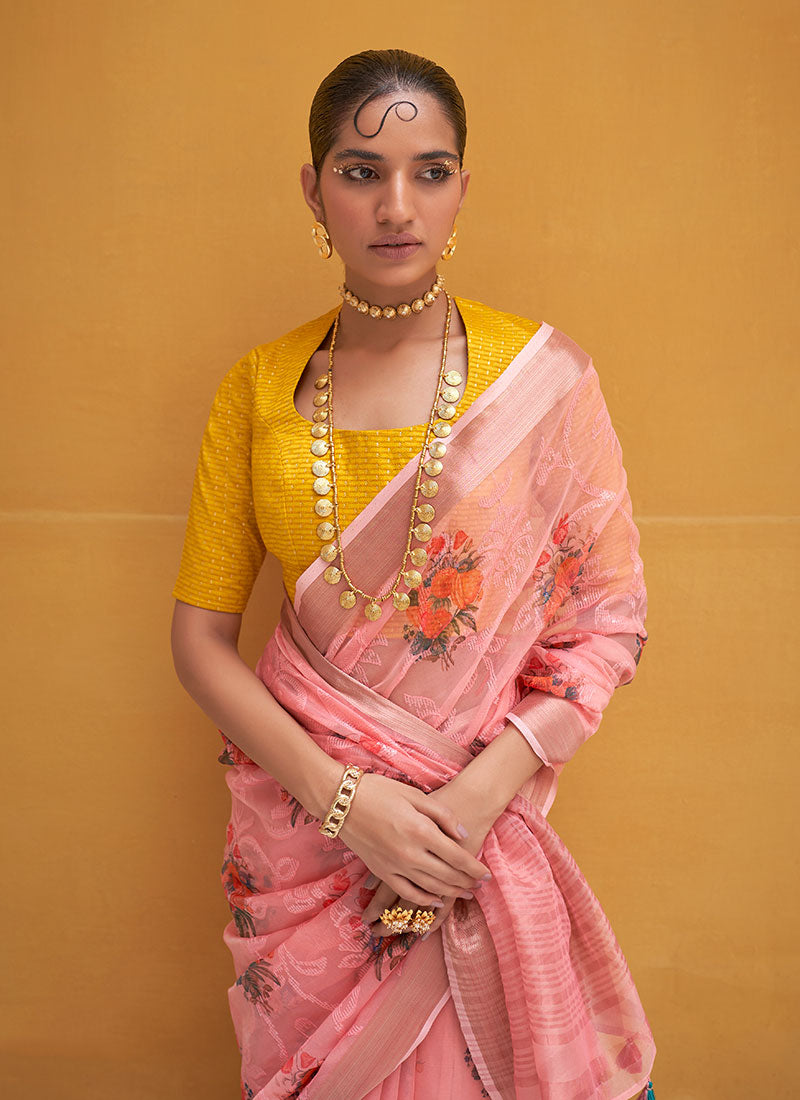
point(207, 661)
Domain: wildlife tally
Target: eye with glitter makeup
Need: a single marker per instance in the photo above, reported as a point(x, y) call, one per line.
point(445, 168)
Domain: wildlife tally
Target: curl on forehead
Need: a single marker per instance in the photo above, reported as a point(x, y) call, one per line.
point(404, 109)
point(402, 77)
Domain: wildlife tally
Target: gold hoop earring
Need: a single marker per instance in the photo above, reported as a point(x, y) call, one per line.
point(322, 240)
point(450, 247)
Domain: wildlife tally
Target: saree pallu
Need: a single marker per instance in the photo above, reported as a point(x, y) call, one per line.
point(531, 610)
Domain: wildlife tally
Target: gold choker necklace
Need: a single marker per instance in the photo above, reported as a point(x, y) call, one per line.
point(403, 310)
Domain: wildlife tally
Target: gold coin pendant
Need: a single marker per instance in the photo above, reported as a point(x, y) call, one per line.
point(329, 552)
point(433, 467)
point(419, 556)
point(442, 430)
point(449, 394)
point(326, 531)
point(413, 578)
point(332, 575)
point(322, 381)
point(319, 430)
point(347, 599)
point(401, 600)
point(320, 467)
point(372, 611)
point(429, 488)
point(453, 378)
point(438, 449)
point(423, 532)
point(323, 507)
point(426, 512)
point(320, 447)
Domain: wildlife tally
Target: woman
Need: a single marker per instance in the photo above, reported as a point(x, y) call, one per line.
point(462, 597)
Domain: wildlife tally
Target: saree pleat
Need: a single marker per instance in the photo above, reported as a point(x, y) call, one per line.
point(533, 562)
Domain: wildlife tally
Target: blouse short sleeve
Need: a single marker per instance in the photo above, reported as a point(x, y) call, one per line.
point(223, 550)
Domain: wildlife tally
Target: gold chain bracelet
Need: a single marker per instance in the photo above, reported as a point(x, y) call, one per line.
point(334, 819)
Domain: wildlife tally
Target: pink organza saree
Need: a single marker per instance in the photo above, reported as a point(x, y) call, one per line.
point(531, 610)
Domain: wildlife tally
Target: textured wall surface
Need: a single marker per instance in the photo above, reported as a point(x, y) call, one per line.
point(634, 181)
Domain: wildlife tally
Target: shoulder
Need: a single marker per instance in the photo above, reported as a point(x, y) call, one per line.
point(498, 326)
point(294, 342)
point(276, 364)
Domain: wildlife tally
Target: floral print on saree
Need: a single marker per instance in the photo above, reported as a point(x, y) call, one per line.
point(442, 609)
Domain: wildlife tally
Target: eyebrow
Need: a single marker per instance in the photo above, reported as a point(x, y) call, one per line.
point(370, 154)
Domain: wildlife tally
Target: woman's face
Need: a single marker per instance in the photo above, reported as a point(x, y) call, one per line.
point(404, 180)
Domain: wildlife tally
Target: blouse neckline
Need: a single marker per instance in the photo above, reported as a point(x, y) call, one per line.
point(315, 336)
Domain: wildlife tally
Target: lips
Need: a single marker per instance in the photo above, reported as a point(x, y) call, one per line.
point(395, 239)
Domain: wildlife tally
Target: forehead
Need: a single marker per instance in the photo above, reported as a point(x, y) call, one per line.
point(398, 123)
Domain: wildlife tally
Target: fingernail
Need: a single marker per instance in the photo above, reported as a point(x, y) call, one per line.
point(462, 830)
point(487, 876)
point(466, 895)
point(437, 904)
point(371, 881)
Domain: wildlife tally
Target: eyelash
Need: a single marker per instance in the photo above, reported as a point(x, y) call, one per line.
point(344, 169)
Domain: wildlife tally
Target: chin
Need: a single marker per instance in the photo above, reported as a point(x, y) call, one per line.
point(399, 274)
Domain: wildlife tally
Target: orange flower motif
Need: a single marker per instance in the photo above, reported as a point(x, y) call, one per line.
point(561, 531)
point(439, 617)
point(466, 589)
point(567, 572)
point(425, 618)
point(543, 558)
point(434, 622)
point(443, 583)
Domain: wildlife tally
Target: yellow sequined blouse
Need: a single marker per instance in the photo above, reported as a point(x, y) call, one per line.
point(253, 489)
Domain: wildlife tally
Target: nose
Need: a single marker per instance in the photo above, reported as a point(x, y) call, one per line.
point(396, 205)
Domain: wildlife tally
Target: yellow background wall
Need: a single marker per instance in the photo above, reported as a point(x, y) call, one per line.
point(635, 173)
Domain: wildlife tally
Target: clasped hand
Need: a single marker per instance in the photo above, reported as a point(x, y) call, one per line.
point(411, 843)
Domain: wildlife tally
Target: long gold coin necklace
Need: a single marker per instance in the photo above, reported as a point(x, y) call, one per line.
point(430, 461)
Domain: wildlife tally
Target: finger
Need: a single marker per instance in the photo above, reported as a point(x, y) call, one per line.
point(383, 898)
point(436, 875)
point(447, 861)
point(456, 856)
point(407, 888)
point(441, 917)
point(443, 816)
point(404, 887)
point(445, 889)
point(426, 832)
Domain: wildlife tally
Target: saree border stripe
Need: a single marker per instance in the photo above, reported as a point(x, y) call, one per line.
point(476, 984)
point(476, 446)
point(409, 1005)
point(500, 384)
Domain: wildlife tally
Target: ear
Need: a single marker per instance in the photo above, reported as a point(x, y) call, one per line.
point(464, 184)
point(310, 185)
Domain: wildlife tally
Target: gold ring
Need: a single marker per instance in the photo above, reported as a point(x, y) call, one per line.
point(399, 919)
